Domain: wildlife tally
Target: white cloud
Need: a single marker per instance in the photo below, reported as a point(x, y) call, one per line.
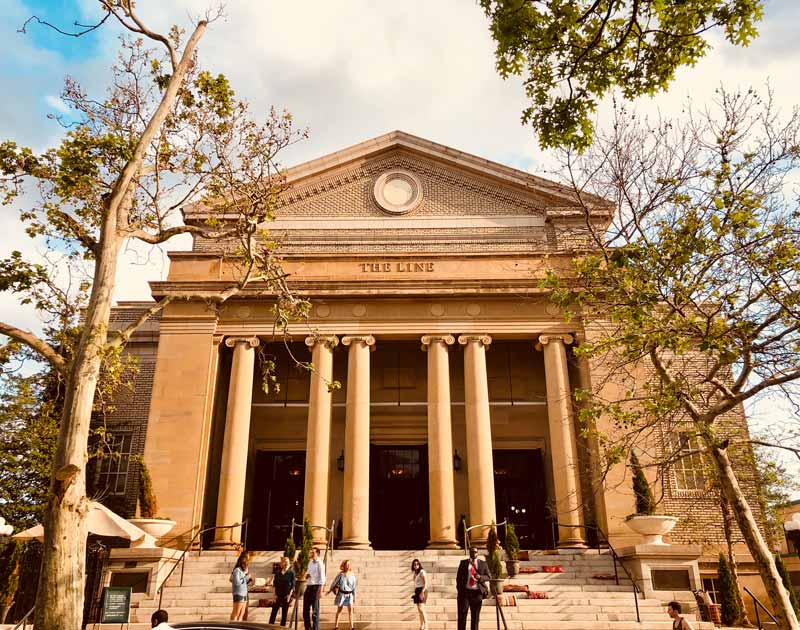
point(56, 103)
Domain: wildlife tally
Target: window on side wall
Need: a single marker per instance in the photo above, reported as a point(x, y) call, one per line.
point(114, 467)
point(689, 464)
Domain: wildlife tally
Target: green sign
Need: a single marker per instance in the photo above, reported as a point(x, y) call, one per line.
point(116, 604)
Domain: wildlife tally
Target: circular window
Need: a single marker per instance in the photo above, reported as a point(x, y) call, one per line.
point(397, 192)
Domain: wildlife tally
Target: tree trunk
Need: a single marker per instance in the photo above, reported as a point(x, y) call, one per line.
point(62, 578)
point(779, 598)
point(61, 583)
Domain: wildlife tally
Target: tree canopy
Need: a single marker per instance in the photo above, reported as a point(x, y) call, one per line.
point(571, 53)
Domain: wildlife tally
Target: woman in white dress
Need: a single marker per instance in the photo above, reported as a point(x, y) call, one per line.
point(420, 592)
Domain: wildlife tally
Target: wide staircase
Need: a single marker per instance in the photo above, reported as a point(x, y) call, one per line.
point(581, 598)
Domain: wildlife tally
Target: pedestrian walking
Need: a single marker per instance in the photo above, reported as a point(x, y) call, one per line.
point(283, 583)
point(472, 585)
point(674, 610)
point(315, 582)
point(159, 620)
point(420, 592)
point(240, 579)
point(344, 588)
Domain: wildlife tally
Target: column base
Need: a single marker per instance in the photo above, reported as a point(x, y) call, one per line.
point(354, 543)
point(572, 543)
point(442, 544)
point(225, 545)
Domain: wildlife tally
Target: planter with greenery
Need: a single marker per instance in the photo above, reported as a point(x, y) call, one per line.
point(493, 561)
point(149, 521)
point(651, 526)
point(727, 596)
point(512, 551)
point(303, 557)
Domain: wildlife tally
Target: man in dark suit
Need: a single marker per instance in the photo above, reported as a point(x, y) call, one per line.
point(472, 584)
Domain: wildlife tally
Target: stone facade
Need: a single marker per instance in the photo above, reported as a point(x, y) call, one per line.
point(411, 313)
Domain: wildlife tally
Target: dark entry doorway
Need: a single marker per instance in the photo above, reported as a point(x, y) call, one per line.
point(521, 495)
point(277, 497)
point(398, 513)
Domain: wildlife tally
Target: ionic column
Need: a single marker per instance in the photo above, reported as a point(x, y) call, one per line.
point(563, 448)
point(355, 511)
point(233, 470)
point(440, 444)
point(318, 440)
point(480, 465)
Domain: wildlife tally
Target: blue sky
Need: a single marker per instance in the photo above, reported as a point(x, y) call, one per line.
point(349, 70)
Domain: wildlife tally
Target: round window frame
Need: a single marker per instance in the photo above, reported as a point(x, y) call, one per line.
point(390, 208)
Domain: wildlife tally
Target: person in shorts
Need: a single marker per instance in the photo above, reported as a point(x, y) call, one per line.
point(240, 579)
point(420, 592)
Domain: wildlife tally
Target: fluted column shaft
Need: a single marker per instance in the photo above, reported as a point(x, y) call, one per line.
point(480, 465)
point(440, 444)
point(318, 439)
point(563, 447)
point(355, 511)
point(233, 471)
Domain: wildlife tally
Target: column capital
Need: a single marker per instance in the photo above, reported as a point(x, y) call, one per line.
point(367, 340)
point(564, 338)
point(427, 340)
point(331, 341)
point(252, 341)
point(465, 339)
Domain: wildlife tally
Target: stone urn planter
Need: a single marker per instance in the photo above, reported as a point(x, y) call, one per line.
point(512, 568)
point(155, 527)
point(652, 528)
point(496, 586)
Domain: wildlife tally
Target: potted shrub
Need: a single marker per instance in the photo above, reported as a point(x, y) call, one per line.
point(303, 557)
point(493, 561)
point(512, 551)
point(645, 521)
point(9, 576)
point(149, 521)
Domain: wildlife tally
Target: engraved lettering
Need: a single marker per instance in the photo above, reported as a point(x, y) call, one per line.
point(387, 266)
point(429, 266)
point(399, 267)
point(363, 266)
point(375, 267)
point(419, 267)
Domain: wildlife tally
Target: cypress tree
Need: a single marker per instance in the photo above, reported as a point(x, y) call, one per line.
point(727, 596)
point(787, 582)
point(645, 501)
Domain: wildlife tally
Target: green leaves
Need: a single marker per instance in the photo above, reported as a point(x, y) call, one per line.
point(572, 53)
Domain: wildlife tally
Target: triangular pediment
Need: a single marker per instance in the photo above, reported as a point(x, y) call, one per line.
point(456, 202)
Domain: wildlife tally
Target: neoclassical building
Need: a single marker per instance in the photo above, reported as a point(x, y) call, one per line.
point(423, 266)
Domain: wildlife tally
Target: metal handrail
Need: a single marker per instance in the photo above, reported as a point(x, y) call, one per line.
point(181, 559)
point(757, 604)
point(468, 540)
point(24, 621)
point(615, 557)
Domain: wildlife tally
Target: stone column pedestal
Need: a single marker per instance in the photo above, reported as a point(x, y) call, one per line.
point(318, 440)
point(480, 464)
point(563, 448)
point(440, 444)
point(355, 512)
point(233, 471)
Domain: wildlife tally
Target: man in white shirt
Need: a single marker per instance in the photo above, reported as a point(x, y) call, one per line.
point(314, 586)
point(159, 620)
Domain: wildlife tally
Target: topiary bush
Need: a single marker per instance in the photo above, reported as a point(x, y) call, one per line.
point(493, 554)
point(148, 505)
point(512, 542)
point(290, 550)
point(727, 595)
point(787, 583)
point(645, 501)
point(304, 556)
